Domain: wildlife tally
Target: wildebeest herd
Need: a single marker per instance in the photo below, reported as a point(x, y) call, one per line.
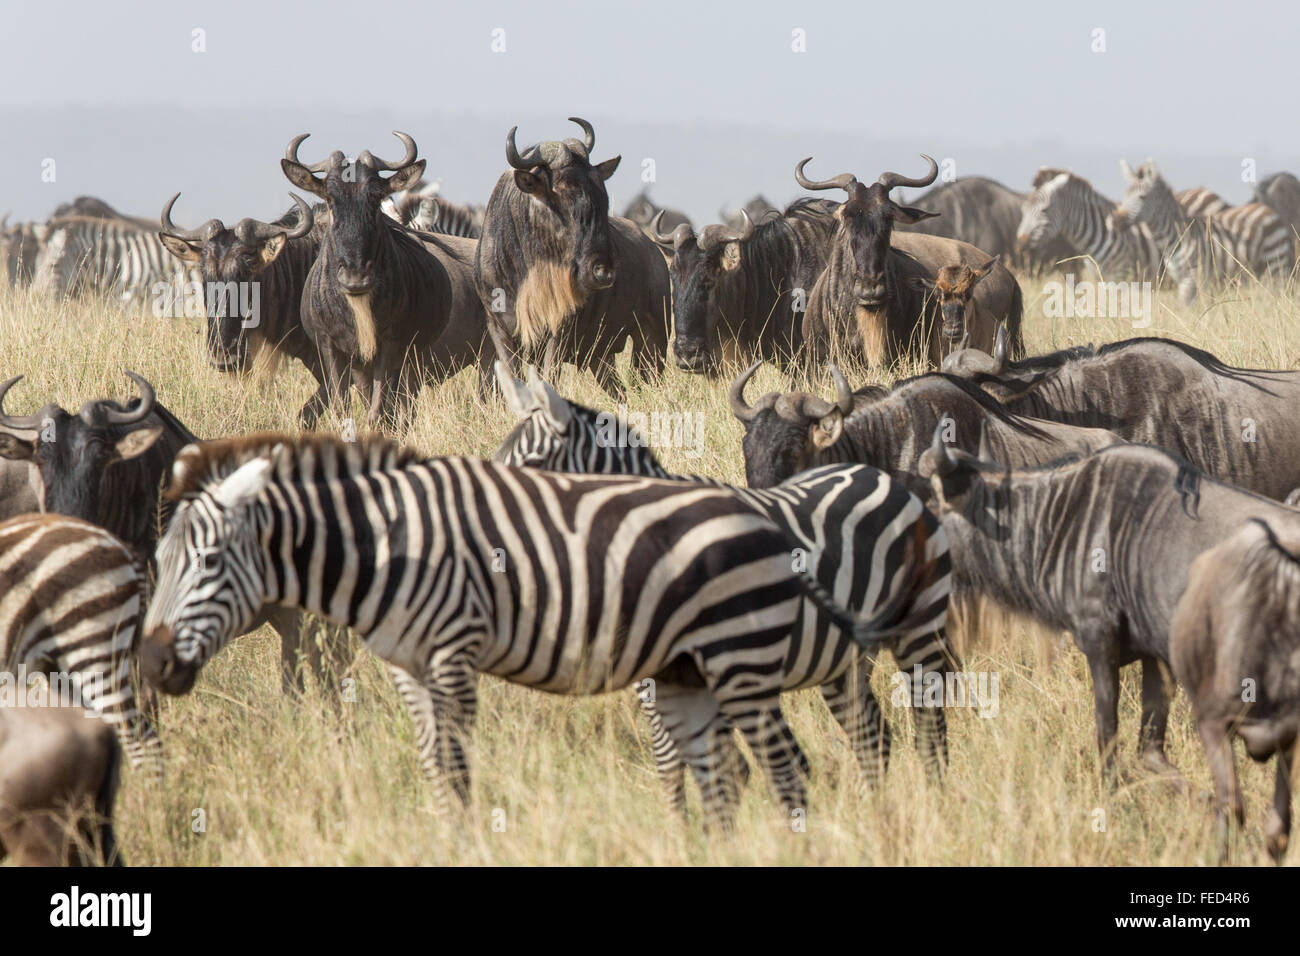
point(1132, 494)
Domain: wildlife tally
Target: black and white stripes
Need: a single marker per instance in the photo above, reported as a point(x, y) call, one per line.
point(112, 257)
point(451, 567)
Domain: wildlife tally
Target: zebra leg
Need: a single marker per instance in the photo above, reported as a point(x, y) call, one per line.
point(443, 709)
point(932, 654)
point(704, 738)
point(668, 760)
point(855, 708)
point(289, 624)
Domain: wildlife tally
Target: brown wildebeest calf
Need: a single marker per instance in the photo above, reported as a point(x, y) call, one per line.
point(964, 323)
point(59, 771)
point(1235, 647)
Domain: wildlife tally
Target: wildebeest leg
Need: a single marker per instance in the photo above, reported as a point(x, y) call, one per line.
point(1227, 792)
point(337, 371)
point(289, 624)
point(1277, 821)
point(855, 708)
point(1155, 718)
point(314, 407)
point(1103, 663)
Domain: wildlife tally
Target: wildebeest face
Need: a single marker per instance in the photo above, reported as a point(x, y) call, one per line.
point(74, 453)
point(699, 263)
point(954, 286)
point(784, 433)
point(227, 258)
point(561, 177)
point(354, 192)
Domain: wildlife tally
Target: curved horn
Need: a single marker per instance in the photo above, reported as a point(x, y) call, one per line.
point(291, 154)
point(588, 134)
point(407, 159)
point(842, 181)
point(717, 234)
point(1000, 350)
point(147, 402)
point(944, 463)
point(513, 157)
point(843, 393)
point(890, 180)
point(674, 239)
point(175, 231)
point(15, 421)
point(736, 395)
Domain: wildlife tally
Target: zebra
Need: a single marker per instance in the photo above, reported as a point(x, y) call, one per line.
point(819, 508)
point(1199, 201)
point(113, 257)
point(448, 567)
point(438, 216)
point(71, 598)
point(1252, 237)
point(1063, 204)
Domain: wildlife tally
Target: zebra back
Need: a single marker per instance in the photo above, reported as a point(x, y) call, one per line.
point(111, 257)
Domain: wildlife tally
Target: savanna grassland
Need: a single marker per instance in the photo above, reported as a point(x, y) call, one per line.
point(324, 781)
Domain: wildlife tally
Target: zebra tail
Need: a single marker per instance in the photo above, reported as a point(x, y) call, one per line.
point(105, 797)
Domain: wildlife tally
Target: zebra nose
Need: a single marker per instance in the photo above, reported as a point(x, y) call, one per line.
point(158, 656)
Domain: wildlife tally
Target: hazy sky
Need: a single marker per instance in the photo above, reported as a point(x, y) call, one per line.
point(714, 93)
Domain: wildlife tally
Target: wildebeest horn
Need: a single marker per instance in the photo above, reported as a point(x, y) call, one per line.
point(843, 393)
point(15, 421)
point(291, 154)
point(387, 167)
point(842, 181)
point(675, 238)
point(717, 234)
point(265, 230)
point(944, 463)
point(513, 157)
point(184, 234)
point(1000, 350)
point(4, 221)
point(890, 180)
point(147, 401)
point(736, 396)
point(588, 134)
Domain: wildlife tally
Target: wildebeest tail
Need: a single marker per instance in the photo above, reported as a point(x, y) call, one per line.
point(105, 796)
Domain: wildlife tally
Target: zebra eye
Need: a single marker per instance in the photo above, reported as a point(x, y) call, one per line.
point(207, 559)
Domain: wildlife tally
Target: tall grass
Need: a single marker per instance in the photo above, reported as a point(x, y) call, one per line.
point(256, 778)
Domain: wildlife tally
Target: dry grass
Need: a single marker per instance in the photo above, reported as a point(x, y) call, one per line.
point(280, 782)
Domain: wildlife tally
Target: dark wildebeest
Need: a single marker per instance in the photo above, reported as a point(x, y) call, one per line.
point(1281, 193)
point(1234, 645)
point(889, 429)
point(554, 269)
point(643, 211)
point(59, 773)
point(109, 465)
point(758, 209)
point(276, 257)
point(376, 300)
point(986, 214)
point(740, 292)
point(867, 298)
point(964, 320)
point(1100, 546)
point(1237, 424)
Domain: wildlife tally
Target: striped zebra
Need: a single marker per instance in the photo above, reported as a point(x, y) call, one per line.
point(1199, 201)
point(1065, 205)
point(852, 518)
point(437, 215)
point(112, 257)
point(1250, 238)
point(71, 596)
point(448, 567)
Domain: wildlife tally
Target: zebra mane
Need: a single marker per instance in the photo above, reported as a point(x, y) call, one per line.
point(307, 457)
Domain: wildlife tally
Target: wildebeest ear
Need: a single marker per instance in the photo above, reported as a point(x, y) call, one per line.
point(910, 214)
point(731, 256)
point(181, 249)
point(828, 429)
point(272, 248)
point(244, 484)
point(15, 448)
point(531, 183)
point(922, 283)
point(985, 269)
point(137, 442)
point(406, 177)
point(606, 169)
point(302, 177)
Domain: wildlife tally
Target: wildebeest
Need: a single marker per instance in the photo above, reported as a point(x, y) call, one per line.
point(59, 775)
point(643, 211)
point(739, 291)
point(276, 256)
point(375, 300)
point(1099, 545)
point(964, 323)
point(1234, 645)
point(867, 298)
point(986, 214)
point(888, 429)
point(757, 208)
point(554, 269)
point(1281, 193)
point(109, 465)
point(969, 362)
point(1237, 424)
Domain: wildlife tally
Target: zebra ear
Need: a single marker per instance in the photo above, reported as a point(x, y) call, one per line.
point(518, 399)
point(551, 402)
point(1127, 170)
point(244, 484)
